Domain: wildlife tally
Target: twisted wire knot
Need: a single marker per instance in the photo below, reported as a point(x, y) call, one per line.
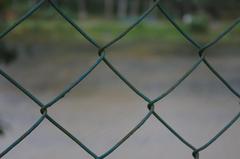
point(195, 154)
point(43, 110)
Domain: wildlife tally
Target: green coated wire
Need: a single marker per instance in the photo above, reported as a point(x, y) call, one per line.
point(13, 145)
point(103, 58)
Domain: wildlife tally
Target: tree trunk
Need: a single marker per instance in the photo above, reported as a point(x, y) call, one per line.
point(153, 14)
point(122, 9)
point(135, 4)
point(108, 7)
point(82, 9)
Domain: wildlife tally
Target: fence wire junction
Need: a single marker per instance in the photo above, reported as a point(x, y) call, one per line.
point(103, 59)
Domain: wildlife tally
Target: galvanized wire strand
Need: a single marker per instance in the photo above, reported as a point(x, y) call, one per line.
point(221, 35)
point(202, 49)
point(139, 125)
point(219, 133)
point(101, 49)
point(21, 88)
point(178, 82)
point(129, 84)
point(21, 19)
point(83, 146)
point(174, 132)
point(131, 27)
point(21, 138)
point(170, 19)
point(198, 46)
point(70, 21)
point(44, 107)
point(103, 58)
point(75, 83)
point(222, 79)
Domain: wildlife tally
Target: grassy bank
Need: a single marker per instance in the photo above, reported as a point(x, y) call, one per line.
point(41, 31)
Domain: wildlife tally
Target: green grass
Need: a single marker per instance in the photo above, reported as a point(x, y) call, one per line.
point(104, 30)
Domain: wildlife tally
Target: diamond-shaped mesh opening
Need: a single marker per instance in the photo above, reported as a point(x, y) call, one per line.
point(39, 148)
point(54, 59)
point(150, 141)
point(199, 107)
point(15, 120)
point(97, 128)
point(103, 59)
point(161, 68)
point(225, 60)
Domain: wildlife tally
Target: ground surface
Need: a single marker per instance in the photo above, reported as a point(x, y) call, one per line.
point(102, 109)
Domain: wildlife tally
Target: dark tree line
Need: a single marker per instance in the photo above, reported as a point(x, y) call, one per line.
point(120, 9)
point(6, 55)
point(125, 8)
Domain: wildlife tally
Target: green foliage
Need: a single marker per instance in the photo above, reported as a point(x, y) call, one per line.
point(4, 5)
point(104, 30)
point(199, 23)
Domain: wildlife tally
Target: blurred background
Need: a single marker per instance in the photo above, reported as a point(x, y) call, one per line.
point(45, 54)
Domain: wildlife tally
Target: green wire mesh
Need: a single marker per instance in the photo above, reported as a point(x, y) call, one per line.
point(103, 59)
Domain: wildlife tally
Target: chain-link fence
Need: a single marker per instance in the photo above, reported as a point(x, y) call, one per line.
point(103, 59)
